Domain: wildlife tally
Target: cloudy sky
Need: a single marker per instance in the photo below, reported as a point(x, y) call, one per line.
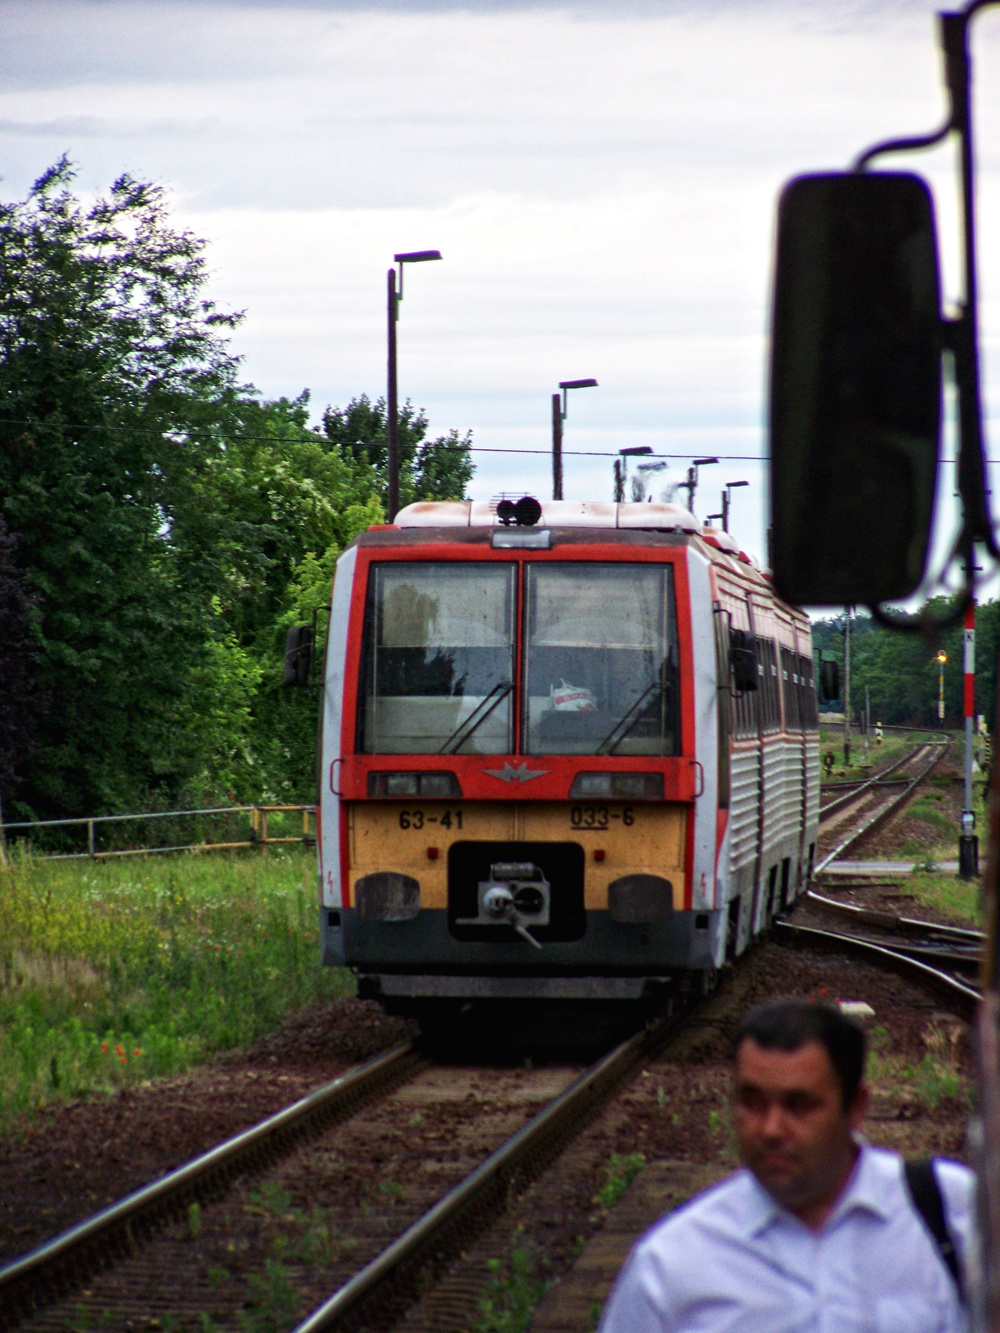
point(600, 178)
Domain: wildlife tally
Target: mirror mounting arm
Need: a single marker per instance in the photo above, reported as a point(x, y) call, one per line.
point(959, 335)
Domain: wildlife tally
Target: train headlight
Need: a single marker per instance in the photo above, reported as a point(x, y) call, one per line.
point(628, 786)
point(440, 785)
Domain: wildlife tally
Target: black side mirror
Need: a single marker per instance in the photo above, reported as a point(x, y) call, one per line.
point(829, 680)
point(298, 656)
point(743, 656)
point(855, 388)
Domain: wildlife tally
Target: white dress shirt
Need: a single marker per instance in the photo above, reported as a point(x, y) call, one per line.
point(734, 1261)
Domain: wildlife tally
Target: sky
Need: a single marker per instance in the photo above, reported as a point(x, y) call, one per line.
point(601, 179)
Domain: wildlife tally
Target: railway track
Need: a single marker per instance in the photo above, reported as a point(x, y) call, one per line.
point(60, 1266)
point(37, 1290)
point(865, 809)
point(390, 1278)
point(906, 958)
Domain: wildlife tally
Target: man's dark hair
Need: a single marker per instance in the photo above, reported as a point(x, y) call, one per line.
point(787, 1025)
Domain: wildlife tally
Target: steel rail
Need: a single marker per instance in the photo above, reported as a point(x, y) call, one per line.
point(54, 1269)
point(907, 925)
point(883, 812)
point(857, 790)
point(813, 935)
point(392, 1280)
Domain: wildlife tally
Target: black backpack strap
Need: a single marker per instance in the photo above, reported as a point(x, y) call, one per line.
point(926, 1195)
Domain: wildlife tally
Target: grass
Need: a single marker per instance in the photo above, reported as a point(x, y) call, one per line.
point(946, 894)
point(832, 738)
point(112, 973)
point(935, 1078)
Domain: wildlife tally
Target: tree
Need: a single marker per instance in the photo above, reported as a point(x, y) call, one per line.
point(116, 384)
point(900, 670)
point(20, 702)
point(438, 469)
point(169, 522)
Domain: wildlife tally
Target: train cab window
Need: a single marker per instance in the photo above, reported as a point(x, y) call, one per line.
point(600, 660)
point(437, 673)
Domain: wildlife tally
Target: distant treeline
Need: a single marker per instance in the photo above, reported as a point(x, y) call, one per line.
point(900, 671)
point(161, 526)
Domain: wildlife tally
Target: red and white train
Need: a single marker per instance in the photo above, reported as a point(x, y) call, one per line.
point(569, 751)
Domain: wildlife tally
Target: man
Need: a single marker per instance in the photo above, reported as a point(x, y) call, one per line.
point(819, 1230)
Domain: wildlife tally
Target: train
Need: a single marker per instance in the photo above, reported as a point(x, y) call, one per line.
point(569, 752)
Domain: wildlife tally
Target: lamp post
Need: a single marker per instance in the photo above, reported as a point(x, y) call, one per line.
point(942, 657)
point(691, 485)
point(558, 417)
point(968, 843)
point(726, 500)
point(621, 465)
point(392, 406)
point(847, 687)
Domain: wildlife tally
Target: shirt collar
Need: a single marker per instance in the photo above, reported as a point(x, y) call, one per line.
point(867, 1190)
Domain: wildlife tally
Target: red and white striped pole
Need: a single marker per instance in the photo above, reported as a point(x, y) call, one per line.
point(968, 843)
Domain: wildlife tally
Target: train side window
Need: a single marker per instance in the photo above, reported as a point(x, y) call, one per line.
point(790, 679)
point(810, 707)
point(771, 703)
point(724, 698)
point(749, 704)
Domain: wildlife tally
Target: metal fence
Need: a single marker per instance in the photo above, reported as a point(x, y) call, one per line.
point(232, 826)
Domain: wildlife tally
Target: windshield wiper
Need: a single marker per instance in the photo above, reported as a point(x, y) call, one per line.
point(622, 728)
point(478, 715)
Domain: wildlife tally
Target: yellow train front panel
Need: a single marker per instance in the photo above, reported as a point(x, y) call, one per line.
point(618, 838)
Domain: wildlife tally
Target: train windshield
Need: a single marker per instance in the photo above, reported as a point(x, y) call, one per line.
point(600, 660)
point(437, 674)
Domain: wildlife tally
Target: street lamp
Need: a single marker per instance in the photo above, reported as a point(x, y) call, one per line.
point(942, 657)
point(729, 486)
point(621, 466)
point(691, 485)
point(558, 417)
point(392, 413)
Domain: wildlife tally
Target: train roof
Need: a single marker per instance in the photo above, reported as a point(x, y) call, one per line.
point(574, 515)
point(554, 514)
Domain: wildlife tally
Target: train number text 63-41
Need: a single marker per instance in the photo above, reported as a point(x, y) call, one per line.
point(418, 819)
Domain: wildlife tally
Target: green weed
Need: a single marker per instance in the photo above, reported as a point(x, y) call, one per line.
point(271, 1199)
point(621, 1170)
point(273, 1300)
point(194, 1220)
point(112, 973)
point(514, 1290)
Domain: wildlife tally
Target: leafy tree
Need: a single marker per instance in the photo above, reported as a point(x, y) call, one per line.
point(115, 386)
point(437, 469)
point(20, 703)
point(900, 670)
point(170, 524)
